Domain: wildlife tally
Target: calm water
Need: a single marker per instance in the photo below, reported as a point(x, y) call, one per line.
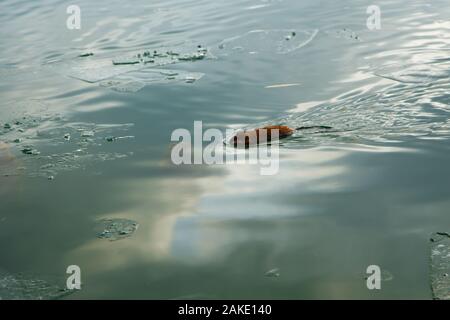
point(370, 193)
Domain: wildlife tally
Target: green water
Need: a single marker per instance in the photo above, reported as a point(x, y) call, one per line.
point(370, 193)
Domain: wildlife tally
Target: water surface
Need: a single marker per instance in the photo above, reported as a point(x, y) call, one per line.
point(371, 192)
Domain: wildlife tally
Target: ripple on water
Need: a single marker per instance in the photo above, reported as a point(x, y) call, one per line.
point(399, 111)
point(413, 103)
point(266, 42)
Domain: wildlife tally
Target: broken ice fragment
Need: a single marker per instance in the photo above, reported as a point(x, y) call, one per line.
point(190, 79)
point(30, 150)
point(28, 287)
point(112, 138)
point(273, 273)
point(93, 70)
point(83, 55)
point(193, 57)
point(169, 73)
point(67, 136)
point(105, 67)
point(289, 37)
point(116, 229)
point(201, 49)
point(440, 265)
point(124, 62)
point(87, 134)
point(136, 80)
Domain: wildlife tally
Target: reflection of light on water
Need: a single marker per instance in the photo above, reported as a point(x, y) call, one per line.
point(199, 213)
point(300, 172)
point(159, 206)
point(174, 215)
point(186, 218)
point(304, 106)
point(9, 168)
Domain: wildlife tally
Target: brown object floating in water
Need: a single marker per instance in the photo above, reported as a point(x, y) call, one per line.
point(266, 134)
point(261, 135)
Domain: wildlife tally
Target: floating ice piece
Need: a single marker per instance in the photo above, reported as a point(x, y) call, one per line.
point(122, 85)
point(190, 79)
point(87, 54)
point(25, 287)
point(136, 80)
point(87, 134)
point(267, 42)
point(104, 67)
point(60, 162)
point(125, 62)
point(192, 57)
point(94, 71)
point(440, 265)
point(30, 150)
point(112, 138)
point(273, 273)
point(116, 229)
point(57, 156)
